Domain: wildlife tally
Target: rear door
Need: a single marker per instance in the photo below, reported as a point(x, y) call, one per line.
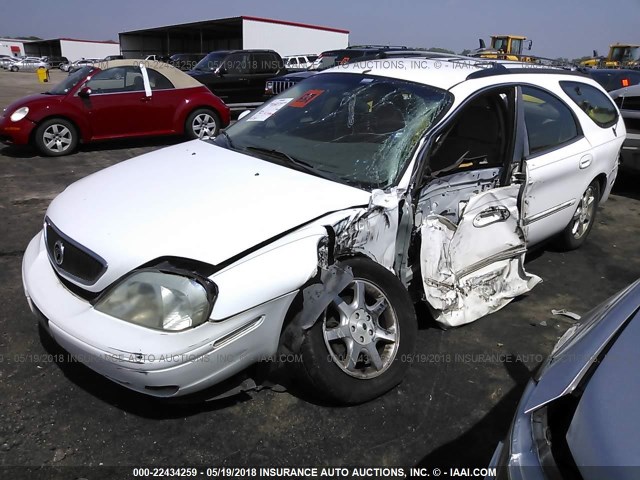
point(468, 216)
point(559, 163)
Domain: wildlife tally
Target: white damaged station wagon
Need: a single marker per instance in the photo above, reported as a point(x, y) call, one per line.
point(313, 225)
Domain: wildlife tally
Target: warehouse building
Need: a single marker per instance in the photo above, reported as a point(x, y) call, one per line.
point(12, 47)
point(286, 38)
point(72, 48)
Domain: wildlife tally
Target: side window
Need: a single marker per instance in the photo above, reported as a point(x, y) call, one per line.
point(268, 63)
point(593, 102)
point(237, 64)
point(111, 80)
point(550, 123)
point(158, 81)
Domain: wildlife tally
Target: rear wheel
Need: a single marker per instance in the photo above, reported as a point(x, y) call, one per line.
point(56, 137)
point(576, 232)
point(357, 350)
point(202, 123)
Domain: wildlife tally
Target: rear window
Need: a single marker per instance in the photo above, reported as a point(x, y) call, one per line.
point(593, 102)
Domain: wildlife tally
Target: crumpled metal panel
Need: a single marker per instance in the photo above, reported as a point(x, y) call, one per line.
point(470, 270)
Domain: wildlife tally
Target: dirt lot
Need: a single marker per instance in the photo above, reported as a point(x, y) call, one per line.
point(453, 408)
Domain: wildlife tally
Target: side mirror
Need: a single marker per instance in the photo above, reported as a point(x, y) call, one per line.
point(530, 43)
point(84, 92)
point(220, 71)
point(482, 44)
point(244, 114)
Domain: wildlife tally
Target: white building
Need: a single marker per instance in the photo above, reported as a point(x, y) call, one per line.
point(11, 46)
point(72, 48)
point(236, 33)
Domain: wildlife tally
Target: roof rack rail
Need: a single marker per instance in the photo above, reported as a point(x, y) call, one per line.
point(389, 47)
point(500, 69)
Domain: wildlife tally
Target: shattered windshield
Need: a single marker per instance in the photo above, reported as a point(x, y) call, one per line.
point(71, 81)
point(355, 129)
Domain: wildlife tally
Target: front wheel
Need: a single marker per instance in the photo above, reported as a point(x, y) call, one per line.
point(56, 137)
point(358, 348)
point(14, 69)
point(576, 232)
point(202, 123)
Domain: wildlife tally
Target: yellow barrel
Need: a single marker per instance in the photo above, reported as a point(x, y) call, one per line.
point(43, 74)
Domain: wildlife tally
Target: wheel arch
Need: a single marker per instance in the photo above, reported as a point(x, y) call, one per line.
point(79, 130)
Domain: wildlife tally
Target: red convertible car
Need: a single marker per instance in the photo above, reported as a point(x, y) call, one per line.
point(115, 99)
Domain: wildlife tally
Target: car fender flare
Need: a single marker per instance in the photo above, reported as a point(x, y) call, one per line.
point(80, 126)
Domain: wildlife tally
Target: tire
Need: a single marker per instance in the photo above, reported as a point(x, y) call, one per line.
point(357, 351)
point(202, 123)
point(577, 231)
point(14, 69)
point(56, 137)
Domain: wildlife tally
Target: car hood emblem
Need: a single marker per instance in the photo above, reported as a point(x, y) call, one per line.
point(58, 252)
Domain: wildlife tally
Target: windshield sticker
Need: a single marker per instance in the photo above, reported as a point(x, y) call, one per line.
point(268, 110)
point(306, 98)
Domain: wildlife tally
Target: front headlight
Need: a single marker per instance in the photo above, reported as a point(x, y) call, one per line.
point(160, 300)
point(19, 114)
point(268, 88)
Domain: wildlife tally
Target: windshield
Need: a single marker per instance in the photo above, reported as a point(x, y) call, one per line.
point(622, 54)
point(355, 129)
point(211, 62)
point(71, 81)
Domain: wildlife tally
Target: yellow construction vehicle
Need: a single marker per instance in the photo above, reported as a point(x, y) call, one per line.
point(621, 55)
point(505, 47)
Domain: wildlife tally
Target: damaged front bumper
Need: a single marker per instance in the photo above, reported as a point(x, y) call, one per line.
point(157, 363)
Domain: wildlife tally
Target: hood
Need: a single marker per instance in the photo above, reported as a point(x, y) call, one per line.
point(31, 101)
point(194, 200)
point(297, 76)
point(605, 429)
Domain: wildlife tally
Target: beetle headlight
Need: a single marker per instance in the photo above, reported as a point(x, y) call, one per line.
point(19, 114)
point(160, 300)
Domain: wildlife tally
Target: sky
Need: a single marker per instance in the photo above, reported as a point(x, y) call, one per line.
point(558, 28)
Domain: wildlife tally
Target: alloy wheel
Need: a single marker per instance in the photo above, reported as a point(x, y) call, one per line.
point(57, 138)
point(204, 125)
point(584, 213)
point(360, 330)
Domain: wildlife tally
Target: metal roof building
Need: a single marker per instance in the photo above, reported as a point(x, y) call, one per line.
point(286, 38)
point(72, 48)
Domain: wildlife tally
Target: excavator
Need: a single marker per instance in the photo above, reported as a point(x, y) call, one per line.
point(505, 47)
point(621, 55)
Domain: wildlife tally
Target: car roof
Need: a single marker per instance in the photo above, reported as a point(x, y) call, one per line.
point(175, 76)
point(444, 71)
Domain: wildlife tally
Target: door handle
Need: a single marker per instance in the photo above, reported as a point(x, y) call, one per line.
point(585, 161)
point(145, 99)
point(491, 215)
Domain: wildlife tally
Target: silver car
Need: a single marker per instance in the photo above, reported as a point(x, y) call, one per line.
point(29, 64)
point(579, 416)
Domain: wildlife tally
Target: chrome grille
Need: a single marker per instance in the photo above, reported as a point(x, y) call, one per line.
point(70, 259)
point(282, 85)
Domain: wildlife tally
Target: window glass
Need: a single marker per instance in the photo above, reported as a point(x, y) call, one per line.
point(353, 129)
point(115, 80)
point(158, 81)
point(516, 46)
point(237, 64)
point(593, 102)
point(549, 121)
point(266, 63)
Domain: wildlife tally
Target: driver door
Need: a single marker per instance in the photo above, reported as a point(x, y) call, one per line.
point(468, 217)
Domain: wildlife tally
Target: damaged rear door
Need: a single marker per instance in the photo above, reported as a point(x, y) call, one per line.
point(472, 244)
